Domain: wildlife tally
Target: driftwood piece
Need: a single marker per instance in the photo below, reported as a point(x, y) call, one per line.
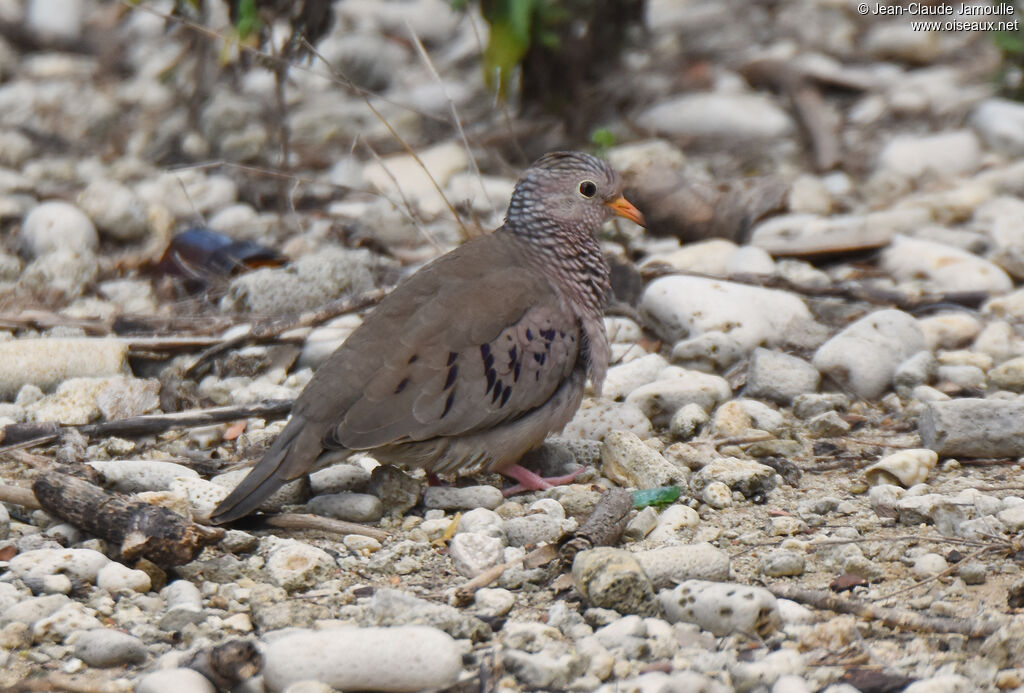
point(139, 529)
point(603, 526)
point(148, 424)
point(894, 618)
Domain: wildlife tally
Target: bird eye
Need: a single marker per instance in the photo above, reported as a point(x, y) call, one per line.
point(588, 188)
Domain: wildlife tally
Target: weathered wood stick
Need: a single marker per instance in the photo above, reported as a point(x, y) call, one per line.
point(139, 529)
point(603, 526)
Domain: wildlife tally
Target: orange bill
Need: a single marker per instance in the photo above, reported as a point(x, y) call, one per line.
point(624, 208)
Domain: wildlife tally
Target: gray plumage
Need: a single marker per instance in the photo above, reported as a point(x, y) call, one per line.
point(474, 359)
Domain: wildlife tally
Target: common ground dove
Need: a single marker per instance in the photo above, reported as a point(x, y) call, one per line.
point(474, 359)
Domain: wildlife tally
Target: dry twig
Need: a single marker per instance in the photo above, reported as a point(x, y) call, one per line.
point(892, 617)
point(303, 521)
point(22, 435)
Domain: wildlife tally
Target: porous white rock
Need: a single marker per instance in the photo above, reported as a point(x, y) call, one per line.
point(472, 553)
point(79, 564)
point(627, 461)
point(597, 417)
point(296, 565)
point(674, 389)
point(670, 565)
point(49, 362)
point(133, 476)
point(398, 659)
point(115, 209)
point(116, 577)
point(722, 607)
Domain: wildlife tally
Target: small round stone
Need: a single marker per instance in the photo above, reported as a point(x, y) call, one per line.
point(717, 495)
point(105, 648)
point(929, 565)
point(782, 563)
point(175, 680)
point(494, 601)
point(53, 226)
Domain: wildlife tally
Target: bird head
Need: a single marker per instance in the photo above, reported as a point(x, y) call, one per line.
point(572, 189)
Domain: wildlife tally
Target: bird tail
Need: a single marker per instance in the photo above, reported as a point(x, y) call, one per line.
point(291, 455)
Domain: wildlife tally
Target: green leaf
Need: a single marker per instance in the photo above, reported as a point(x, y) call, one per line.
point(603, 138)
point(1012, 43)
point(510, 22)
point(248, 19)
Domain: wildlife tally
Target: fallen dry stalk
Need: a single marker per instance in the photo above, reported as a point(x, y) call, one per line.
point(18, 435)
point(304, 521)
point(892, 617)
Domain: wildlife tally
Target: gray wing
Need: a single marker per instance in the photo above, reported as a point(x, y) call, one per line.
point(473, 339)
point(486, 367)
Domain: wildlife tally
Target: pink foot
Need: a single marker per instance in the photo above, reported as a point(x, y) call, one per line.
point(528, 481)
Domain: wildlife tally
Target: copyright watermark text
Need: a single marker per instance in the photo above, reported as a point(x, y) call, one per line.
point(955, 17)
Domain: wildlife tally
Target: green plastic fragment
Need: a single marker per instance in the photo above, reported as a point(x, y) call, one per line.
point(656, 496)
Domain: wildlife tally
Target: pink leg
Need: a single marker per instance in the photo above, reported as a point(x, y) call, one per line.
point(528, 481)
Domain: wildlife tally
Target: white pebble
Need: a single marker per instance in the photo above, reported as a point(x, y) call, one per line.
point(175, 681)
point(52, 226)
point(115, 577)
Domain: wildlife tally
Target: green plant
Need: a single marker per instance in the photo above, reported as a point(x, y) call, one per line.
point(516, 25)
point(1010, 75)
point(603, 139)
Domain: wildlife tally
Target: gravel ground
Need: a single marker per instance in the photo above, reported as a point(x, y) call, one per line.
point(816, 344)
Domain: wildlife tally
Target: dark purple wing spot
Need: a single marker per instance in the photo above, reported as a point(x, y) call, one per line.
point(414, 358)
point(485, 354)
point(515, 374)
point(497, 391)
point(448, 403)
point(492, 375)
point(547, 334)
point(401, 385)
point(529, 333)
point(512, 354)
point(505, 396)
point(453, 373)
point(451, 357)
